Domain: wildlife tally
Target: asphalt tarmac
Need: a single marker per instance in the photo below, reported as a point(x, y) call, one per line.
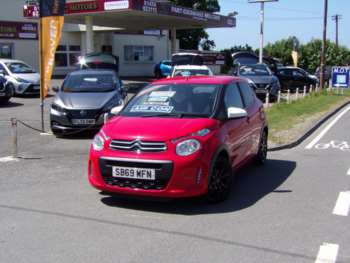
point(294, 209)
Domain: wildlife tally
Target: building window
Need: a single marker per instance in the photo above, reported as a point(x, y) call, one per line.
point(6, 50)
point(67, 55)
point(138, 53)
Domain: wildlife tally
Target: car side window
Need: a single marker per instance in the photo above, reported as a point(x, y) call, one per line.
point(297, 73)
point(247, 93)
point(233, 97)
point(284, 72)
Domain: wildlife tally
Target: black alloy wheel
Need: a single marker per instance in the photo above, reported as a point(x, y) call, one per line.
point(220, 181)
point(262, 152)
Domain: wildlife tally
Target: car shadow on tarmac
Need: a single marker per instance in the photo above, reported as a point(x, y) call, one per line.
point(11, 104)
point(253, 183)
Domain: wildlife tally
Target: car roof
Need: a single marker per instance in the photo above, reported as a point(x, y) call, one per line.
point(215, 80)
point(289, 67)
point(186, 54)
point(92, 71)
point(191, 67)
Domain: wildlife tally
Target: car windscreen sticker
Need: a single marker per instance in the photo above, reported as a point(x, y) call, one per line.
point(168, 94)
point(152, 108)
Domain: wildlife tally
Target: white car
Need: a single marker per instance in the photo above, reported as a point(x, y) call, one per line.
point(20, 78)
point(191, 70)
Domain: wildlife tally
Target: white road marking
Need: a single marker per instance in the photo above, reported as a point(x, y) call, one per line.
point(8, 159)
point(325, 130)
point(343, 204)
point(328, 253)
point(348, 173)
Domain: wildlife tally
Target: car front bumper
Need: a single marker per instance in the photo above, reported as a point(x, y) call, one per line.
point(184, 177)
point(61, 122)
point(26, 88)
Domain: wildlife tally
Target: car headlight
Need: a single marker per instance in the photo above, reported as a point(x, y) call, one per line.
point(187, 147)
point(57, 108)
point(98, 143)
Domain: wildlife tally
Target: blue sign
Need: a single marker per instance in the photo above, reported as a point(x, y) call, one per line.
point(340, 77)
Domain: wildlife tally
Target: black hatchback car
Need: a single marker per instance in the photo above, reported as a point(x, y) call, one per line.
point(83, 100)
point(292, 78)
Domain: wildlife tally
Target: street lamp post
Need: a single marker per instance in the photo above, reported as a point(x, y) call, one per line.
point(262, 18)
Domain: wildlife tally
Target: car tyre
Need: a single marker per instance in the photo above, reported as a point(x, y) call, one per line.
point(261, 156)
point(220, 181)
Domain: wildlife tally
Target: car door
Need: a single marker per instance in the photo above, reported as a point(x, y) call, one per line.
point(235, 131)
point(300, 78)
point(285, 78)
point(254, 109)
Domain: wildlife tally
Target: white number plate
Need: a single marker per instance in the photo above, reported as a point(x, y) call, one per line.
point(83, 121)
point(134, 173)
point(36, 87)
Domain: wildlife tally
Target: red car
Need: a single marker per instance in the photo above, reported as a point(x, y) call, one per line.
point(180, 137)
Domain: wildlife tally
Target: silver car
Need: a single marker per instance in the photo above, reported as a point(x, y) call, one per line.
point(84, 99)
point(21, 79)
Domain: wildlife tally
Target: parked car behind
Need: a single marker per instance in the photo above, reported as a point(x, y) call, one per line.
point(20, 77)
point(5, 92)
point(292, 78)
point(162, 69)
point(191, 70)
point(264, 80)
point(180, 137)
point(83, 100)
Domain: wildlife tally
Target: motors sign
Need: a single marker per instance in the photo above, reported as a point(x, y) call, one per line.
point(340, 77)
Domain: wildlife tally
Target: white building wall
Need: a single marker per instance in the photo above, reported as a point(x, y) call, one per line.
point(139, 68)
point(23, 49)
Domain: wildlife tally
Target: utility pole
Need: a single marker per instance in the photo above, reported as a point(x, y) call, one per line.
point(336, 18)
point(262, 18)
point(323, 44)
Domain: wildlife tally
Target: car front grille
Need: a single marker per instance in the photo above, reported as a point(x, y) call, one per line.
point(262, 86)
point(33, 89)
point(163, 172)
point(83, 114)
point(137, 146)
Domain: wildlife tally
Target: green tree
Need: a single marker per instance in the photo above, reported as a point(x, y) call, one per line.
point(193, 38)
point(282, 49)
point(310, 55)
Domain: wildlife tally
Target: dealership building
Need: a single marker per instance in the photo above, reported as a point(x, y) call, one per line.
point(139, 32)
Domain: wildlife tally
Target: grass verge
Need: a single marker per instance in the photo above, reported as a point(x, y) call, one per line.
point(289, 121)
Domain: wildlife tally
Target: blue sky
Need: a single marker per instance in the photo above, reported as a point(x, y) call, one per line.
point(301, 18)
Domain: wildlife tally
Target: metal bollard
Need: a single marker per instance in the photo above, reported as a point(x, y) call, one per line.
point(297, 94)
point(304, 91)
point(317, 87)
point(279, 97)
point(311, 90)
point(14, 138)
point(288, 96)
point(267, 100)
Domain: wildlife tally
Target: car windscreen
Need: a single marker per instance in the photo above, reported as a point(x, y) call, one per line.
point(19, 68)
point(254, 70)
point(90, 83)
point(174, 100)
point(191, 72)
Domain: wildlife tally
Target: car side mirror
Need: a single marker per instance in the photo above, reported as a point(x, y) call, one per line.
point(236, 113)
point(117, 109)
point(55, 89)
point(2, 73)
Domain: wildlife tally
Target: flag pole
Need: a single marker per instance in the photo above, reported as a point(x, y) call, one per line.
point(41, 75)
